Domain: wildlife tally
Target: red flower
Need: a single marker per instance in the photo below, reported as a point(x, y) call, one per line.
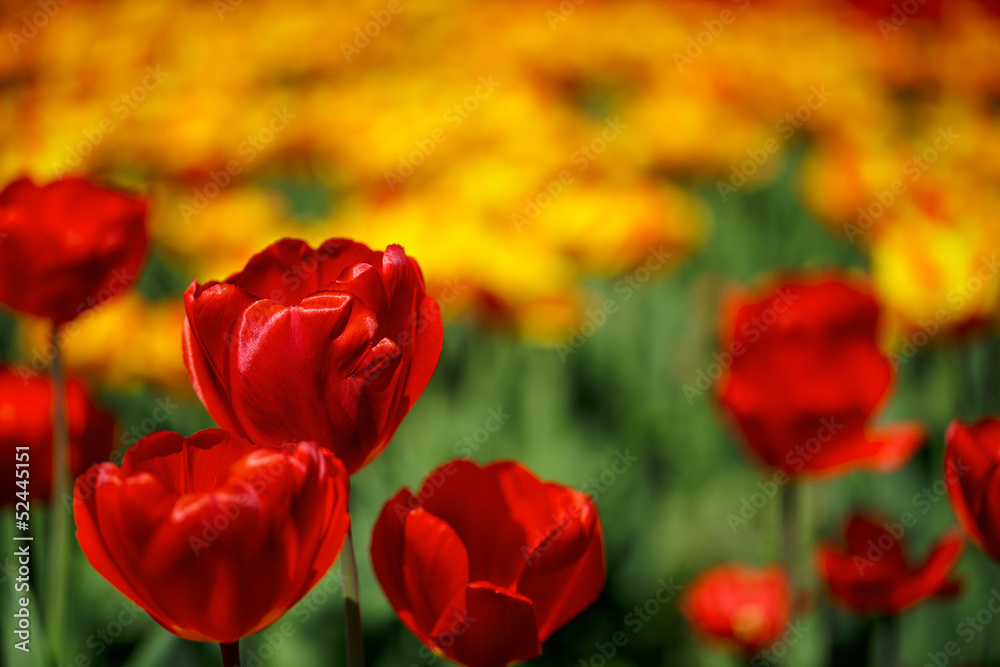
point(484, 564)
point(806, 376)
point(874, 575)
point(972, 458)
point(214, 537)
point(67, 246)
point(738, 605)
point(26, 420)
point(332, 345)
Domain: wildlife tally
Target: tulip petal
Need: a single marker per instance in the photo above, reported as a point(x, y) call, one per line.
point(435, 566)
point(972, 466)
point(387, 553)
point(488, 626)
point(473, 503)
point(560, 594)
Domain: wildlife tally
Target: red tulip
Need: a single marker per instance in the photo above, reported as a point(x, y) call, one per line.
point(484, 564)
point(67, 246)
point(805, 377)
point(215, 538)
point(874, 574)
point(737, 605)
point(332, 345)
point(972, 460)
point(26, 420)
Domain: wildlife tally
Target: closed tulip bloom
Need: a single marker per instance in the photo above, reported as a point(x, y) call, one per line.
point(972, 459)
point(26, 420)
point(67, 246)
point(874, 575)
point(483, 564)
point(332, 345)
point(739, 606)
point(214, 537)
point(806, 377)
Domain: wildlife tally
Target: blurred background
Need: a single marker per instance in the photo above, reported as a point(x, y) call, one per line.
point(543, 160)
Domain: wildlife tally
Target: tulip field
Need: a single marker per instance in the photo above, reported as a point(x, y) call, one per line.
point(565, 334)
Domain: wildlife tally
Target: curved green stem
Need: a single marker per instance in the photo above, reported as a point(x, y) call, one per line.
point(58, 509)
point(352, 605)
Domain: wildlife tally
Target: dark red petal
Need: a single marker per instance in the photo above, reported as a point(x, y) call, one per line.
point(561, 594)
point(471, 500)
point(935, 572)
point(198, 464)
point(867, 535)
point(289, 270)
point(295, 376)
point(495, 628)
point(387, 552)
point(435, 566)
point(971, 472)
point(214, 317)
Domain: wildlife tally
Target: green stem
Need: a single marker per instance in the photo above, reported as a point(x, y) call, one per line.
point(789, 533)
point(59, 530)
point(352, 604)
point(230, 654)
point(884, 651)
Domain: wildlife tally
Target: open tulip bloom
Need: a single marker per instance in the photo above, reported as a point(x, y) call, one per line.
point(332, 345)
point(483, 564)
point(214, 537)
point(807, 377)
point(873, 574)
point(739, 606)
